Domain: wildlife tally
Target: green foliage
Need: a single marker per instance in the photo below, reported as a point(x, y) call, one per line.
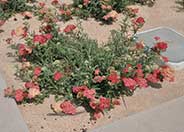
point(10, 7)
point(100, 8)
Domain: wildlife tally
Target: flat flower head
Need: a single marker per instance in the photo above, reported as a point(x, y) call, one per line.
point(152, 78)
point(24, 50)
point(97, 71)
point(37, 71)
point(48, 36)
point(39, 39)
point(86, 2)
point(140, 21)
point(116, 102)
point(57, 76)
point(93, 104)
point(161, 46)
point(89, 93)
point(104, 103)
point(33, 92)
point(168, 73)
point(141, 82)
point(2, 22)
point(97, 115)
point(77, 89)
point(29, 84)
point(98, 79)
point(69, 28)
point(19, 95)
point(113, 78)
point(129, 83)
point(68, 108)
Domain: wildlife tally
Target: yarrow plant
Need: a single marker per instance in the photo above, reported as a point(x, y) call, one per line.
point(10, 7)
point(68, 64)
point(104, 10)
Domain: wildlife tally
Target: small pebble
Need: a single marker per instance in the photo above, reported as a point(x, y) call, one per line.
point(84, 129)
point(109, 117)
point(15, 19)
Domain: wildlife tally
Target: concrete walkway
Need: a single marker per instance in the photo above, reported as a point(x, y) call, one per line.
point(168, 117)
point(10, 117)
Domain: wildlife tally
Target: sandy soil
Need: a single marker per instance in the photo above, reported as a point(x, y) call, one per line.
point(40, 118)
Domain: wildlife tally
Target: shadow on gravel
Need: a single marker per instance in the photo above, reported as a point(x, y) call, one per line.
point(180, 5)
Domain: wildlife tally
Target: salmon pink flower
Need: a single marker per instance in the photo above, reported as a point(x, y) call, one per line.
point(152, 78)
point(139, 66)
point(98, 79)
point(113, 78)
point(43, 38)
point(33, 92)
point(160, 46)
point(29, 84)
point(104, 103)
point(97, 115)
point(86, 2)
point(2, 22)
point(116, 102)
point(37, 71)
point(89, 93)
point(24, 50)
point(77, 89)
point(165, 59)
point(40, 39)
point(129, 82)
point(140, 45)
point(125, 70)
point(97, 71)
point(55, 2)
point(69, 28)
point(57, 76)
point(141, 82)
point(113, 15)
point(41, 4)
point(140, 21)
point(93, 105)
point(48, 36)
point(168, 73)
point(3, 1)
point(13, 33)
point(19, 95)
point(68, 108)
point(139, 72)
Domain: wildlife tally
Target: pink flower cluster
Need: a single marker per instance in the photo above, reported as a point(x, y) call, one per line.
point(32, 90)
point(97, 105)
point(68, 108)
point(24, 50)
point(84, 91)
point(42, 39)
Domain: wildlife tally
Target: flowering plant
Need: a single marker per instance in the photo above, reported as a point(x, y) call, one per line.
point(104, 10)
point(78, 72)
point(9, 7)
